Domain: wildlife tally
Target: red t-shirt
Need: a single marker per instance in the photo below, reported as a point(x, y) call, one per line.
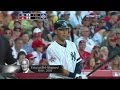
point(85, 55)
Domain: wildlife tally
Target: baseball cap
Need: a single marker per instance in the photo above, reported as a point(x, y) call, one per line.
point(30, 56)
point(82, 41)
point(37, 43)
point(61, 24)
point(37, 30)
point(106, 18)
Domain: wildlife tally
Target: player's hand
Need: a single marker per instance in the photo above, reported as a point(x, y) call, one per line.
point(65, 72)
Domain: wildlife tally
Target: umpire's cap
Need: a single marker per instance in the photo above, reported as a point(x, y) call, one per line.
point(61, 24)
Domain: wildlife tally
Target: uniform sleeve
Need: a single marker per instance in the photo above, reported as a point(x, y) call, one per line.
point(79, 64)
point(52, 57)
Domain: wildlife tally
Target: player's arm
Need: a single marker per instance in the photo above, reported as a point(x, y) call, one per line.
point(51, 57)
point(78, 69)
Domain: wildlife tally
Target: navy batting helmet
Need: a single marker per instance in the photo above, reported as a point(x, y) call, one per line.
point(61, 24)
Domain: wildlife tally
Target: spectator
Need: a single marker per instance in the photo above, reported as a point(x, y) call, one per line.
point(51, 27)
point(40, 25)
point(104, 53)
point(45, 34)
point(96, 53)
point(66, 17)
point(112, 21)
point(76, 19)
point(17, 33)
point(34, 23)
point(99, 62)
point(8, 33)
point(86, 21)
point(47, 31)
point(31, 59)
point(83, 54)
point(5, 18)
point(11, 41)
point(115, 63)
point(37, 35)
point(21, 56)
point(26, 45)
point(90, 65)
point(113, 49)
point(2, 29)
point(106, 34)
point(100, 36)
point(14, 16)
point(102, 13)
point(75, 33)
point(84, 35)
point(17, 47)
point(38, 47)
point(17, 24)
point(54, 17)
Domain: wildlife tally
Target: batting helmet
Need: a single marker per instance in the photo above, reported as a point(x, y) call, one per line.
point(61, 24)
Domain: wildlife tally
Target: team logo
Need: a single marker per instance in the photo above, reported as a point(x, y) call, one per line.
point(52, 59)
point(73, 55)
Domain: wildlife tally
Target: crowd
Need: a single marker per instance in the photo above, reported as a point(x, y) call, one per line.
point(95, 33)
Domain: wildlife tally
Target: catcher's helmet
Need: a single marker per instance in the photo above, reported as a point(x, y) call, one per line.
point(61, 24)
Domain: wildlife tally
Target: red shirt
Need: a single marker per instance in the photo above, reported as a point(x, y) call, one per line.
point(85, 55)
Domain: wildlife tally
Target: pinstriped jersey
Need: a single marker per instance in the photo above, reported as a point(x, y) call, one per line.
point(66, 56)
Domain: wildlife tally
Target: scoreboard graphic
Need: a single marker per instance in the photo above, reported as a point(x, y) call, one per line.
point(32, 16)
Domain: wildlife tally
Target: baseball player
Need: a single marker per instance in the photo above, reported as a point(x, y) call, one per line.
point(64, 52)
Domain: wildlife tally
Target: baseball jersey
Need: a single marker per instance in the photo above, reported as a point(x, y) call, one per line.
point(66, 56)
